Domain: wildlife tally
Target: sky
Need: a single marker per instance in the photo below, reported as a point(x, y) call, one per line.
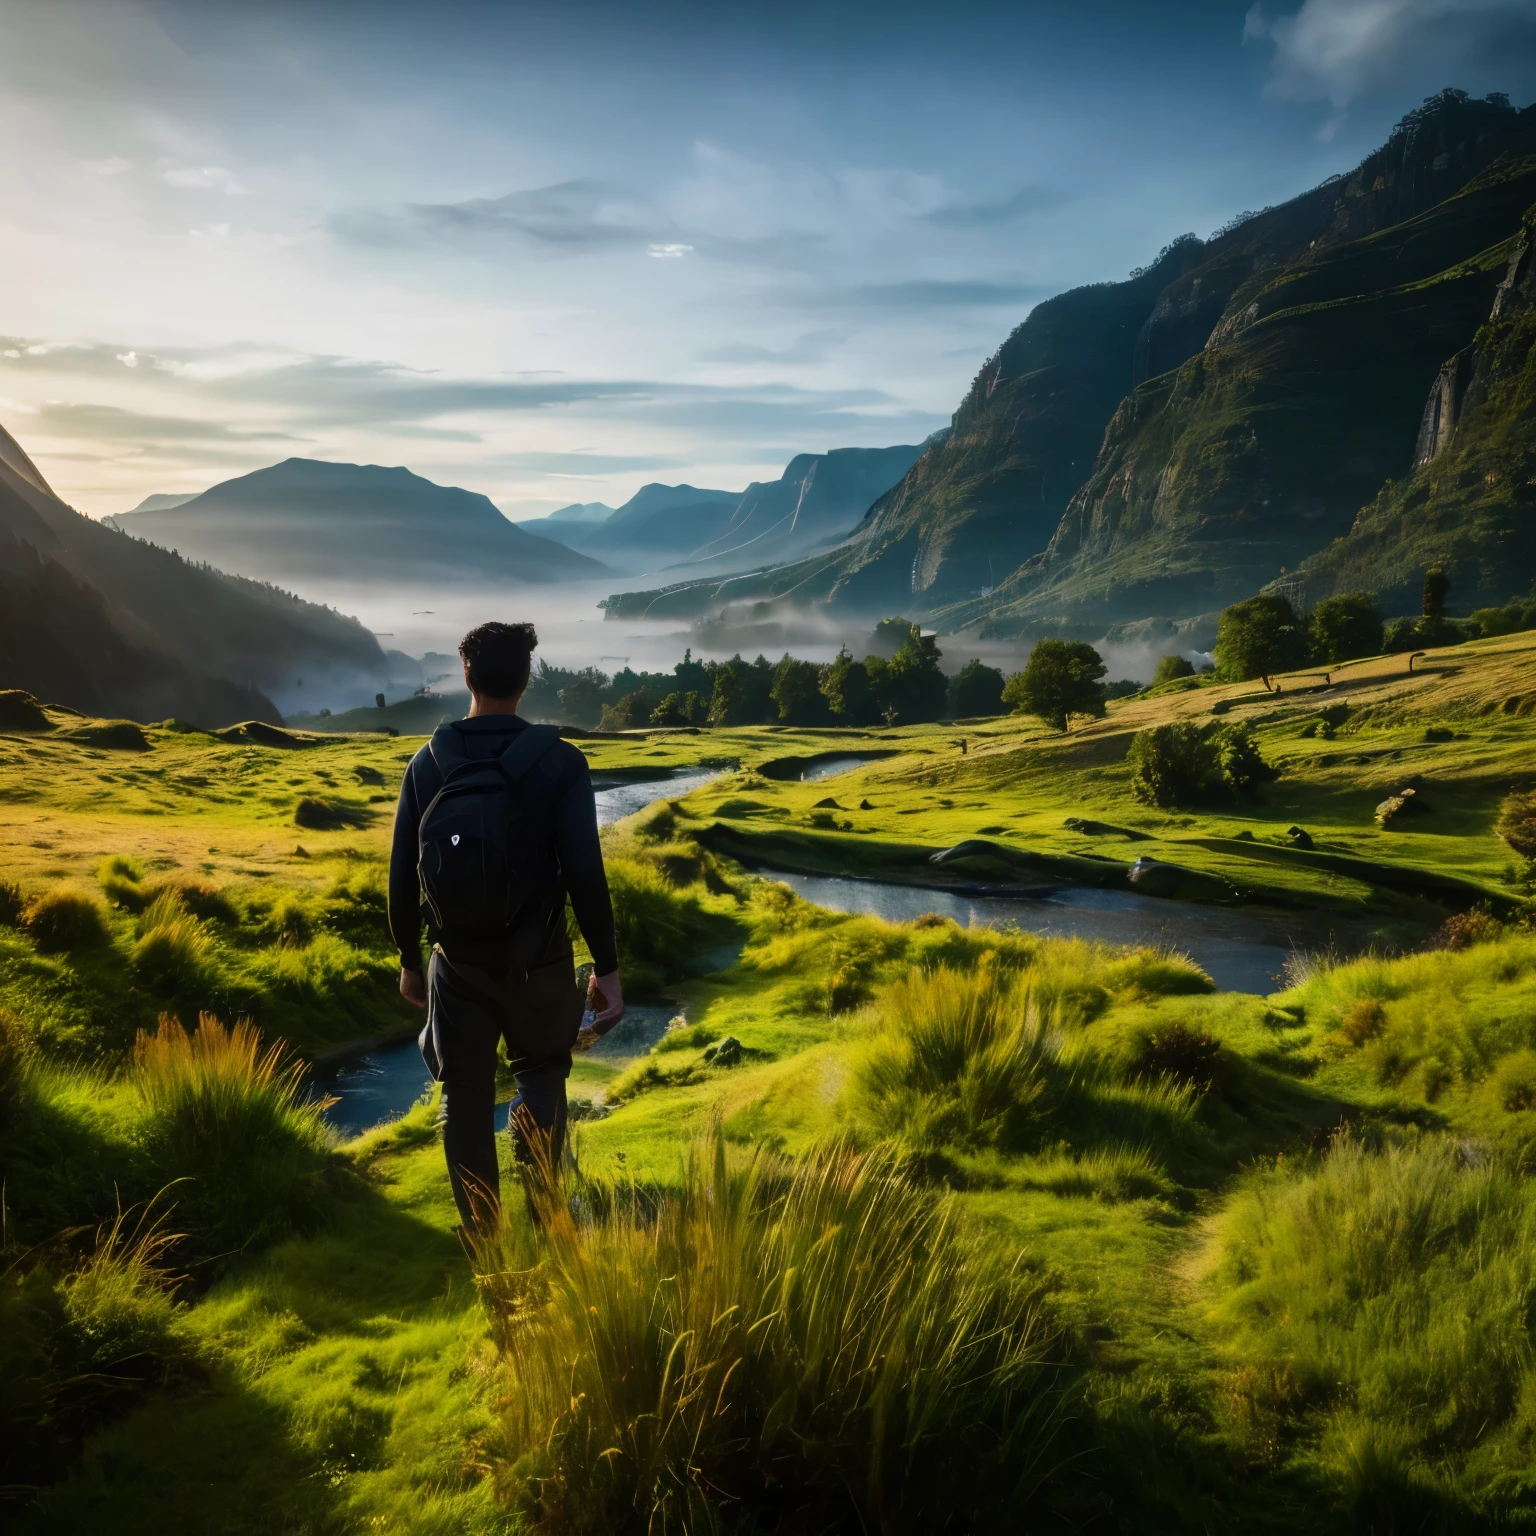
point(554, 252)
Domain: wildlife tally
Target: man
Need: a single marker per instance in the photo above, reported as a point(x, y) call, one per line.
point(496, 826)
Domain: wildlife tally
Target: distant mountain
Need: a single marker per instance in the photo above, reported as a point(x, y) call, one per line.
point(306, 519)
point(105, 624)
point(666, 521)
point(581, 512)
point(163, 501)
point(568, 525)
point(1155, 448)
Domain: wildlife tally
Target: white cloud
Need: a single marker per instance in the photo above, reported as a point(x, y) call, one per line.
point(128, 359)
point(113, 165)
point(201, 178)
point(1337, 50)
point(671, 251)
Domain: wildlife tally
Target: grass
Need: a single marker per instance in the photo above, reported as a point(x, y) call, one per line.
point(811, 1345)
point(1129, 1168)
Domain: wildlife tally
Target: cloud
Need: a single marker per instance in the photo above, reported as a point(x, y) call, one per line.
point(568, 215)
point(812, 347)
point(113, 165)
point(990, 213)
point(85, 419)
point(585, 463)
point(671, 251)
point(200, 178)
point(937, 293)
point(1338, 50)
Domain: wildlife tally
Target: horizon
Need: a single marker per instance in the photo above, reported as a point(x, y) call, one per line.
point(753, 240)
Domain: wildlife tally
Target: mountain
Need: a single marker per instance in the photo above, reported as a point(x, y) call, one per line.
point(568, 525)
point(305, 519)
point(1469, 506)
point(1259, 449)
point(665, 521)
point(818, 500)
point(163, 501)
point(105, 624)
point(581, 512)
point(1155, 447)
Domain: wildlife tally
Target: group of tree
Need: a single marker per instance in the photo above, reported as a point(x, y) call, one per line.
point(900, 680)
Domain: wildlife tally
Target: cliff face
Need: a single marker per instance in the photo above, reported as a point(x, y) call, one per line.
point(1470, 503)
point(1258, 449)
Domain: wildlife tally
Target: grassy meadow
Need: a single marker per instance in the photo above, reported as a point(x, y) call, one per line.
point(897, 1224)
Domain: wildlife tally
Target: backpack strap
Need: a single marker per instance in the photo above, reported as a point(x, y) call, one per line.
point(447, 749)
point(527, 749)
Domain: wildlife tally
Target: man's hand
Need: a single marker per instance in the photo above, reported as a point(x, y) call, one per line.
point(413, 987)
point(605, 999)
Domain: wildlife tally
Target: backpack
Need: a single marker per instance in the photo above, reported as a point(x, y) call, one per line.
point(485, 852)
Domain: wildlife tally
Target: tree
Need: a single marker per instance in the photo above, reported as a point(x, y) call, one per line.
point(1344, 627)
point(845, 686)
point(915, 681)
point(630, 712)
point(1062, 678)
point(1182, 764)
point(1259, 637)
point(889, 637)
point(796, 692)
point(976, 689)
point(731, 700)
point(581, 699)
point(692, 676)
point(679, 709)
point(1437, 586)
point(1170, 668)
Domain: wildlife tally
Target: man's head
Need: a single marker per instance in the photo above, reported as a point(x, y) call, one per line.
point(497, 658)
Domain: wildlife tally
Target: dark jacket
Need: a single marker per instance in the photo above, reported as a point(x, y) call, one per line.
point(567, 788)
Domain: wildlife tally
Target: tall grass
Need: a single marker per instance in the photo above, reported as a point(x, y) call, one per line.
point(802, 1348)
point(660, 930)
point(1386, 1297)
point(64, 919)
point(958, 1059)
point(231, 1119)
point(82, 1334)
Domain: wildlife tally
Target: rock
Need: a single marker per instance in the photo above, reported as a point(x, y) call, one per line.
point(1152, 877)
point(864, 805)
point(1245, 836)
point(1406, 802)
point(1090, 828)
point(724, 1053)
point(968, 849)
point(1299, 836)
point(829, 804)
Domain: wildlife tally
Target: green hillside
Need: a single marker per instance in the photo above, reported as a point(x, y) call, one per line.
point(961, 1223)
point(1470, 504)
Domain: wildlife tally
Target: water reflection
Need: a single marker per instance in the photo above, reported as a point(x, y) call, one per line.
point(1241, 951)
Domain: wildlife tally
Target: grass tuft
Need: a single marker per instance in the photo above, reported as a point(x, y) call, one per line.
point(64, 919)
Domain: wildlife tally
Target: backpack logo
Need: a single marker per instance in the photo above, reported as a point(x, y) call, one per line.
point(454, 839)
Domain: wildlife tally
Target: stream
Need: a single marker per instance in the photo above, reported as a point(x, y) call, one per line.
point(1242, 951)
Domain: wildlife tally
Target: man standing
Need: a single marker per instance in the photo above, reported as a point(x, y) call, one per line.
point(496, 826)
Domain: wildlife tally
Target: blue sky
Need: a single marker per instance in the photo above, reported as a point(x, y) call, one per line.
point(554, 252)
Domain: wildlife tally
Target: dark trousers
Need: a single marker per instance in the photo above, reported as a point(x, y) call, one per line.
point(469, 1013)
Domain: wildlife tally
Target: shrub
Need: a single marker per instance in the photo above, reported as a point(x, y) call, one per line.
point(1170, 668)
point(1344, 627)
point(64, 919)
point(656, 925)
point(1517, 823)
point(1363, 1020)
point(320, 815)
point(231, 1119)
point(813, 1348)
point(1514, 1081)
point(958, 1060)
point(199, 897)
point(1175, 1050)
point(1173, 765)
point(171, 955)
point(1062, 678)
point(1461, 930)
point(290, 922)
point(120, 876)
point(1183, 764)
point(20, 711)
point(12, 903)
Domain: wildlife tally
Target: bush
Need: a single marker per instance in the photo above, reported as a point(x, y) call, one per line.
point(171, 955)
point(20, 711)
point(1062, 678)
point(1514, 1081)
point(120, 876)
point(657, 926)
point(958, 1060)
point(1183, 764)
point(807, 1348)
point(319, 815)
point(64, 919)
point(199, 897)
point(1517, 823)
point(12, 903)
point(1170, 668)
point(233, 1122)
point(1344, 627)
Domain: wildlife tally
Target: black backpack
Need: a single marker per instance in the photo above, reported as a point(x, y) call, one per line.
point(486, 859)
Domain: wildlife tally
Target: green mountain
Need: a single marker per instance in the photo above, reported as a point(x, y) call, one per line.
point(1219, 475)
point(99, 621)
point(1153, 448)
point(305, 519)
point(1469, 504)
